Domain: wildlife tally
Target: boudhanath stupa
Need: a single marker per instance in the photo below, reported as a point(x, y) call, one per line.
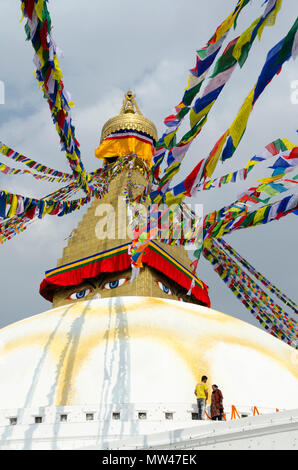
point(114, 363)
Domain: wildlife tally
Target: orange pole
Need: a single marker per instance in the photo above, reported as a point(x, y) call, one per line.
point(234, 412)
point(255, 411)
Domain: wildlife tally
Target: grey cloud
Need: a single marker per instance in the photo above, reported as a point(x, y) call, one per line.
point(149, 47)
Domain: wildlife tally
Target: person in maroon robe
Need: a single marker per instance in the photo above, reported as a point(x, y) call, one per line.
point(216, 404)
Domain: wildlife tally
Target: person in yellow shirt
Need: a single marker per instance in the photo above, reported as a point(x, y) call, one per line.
point(201, 392)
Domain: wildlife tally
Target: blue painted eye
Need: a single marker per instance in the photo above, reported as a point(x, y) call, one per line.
point(164, 288)
point(115, 284)
point(79, 294)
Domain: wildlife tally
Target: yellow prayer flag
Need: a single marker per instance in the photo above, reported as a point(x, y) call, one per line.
point(259, 216)
point(269, 179)
point(211, 165)
point(262, 187)
point(270, 20)
point(50, 208)
point(40, 56)
point(71, 156)
point(171, 199)
point(58, 102)
point(227, 23)
point(23, 12)
point(208, 184)
point(244, 38)
point(44, 211)
point(4, 149)
point(194, 117)
point(239, 124)
point(57, 73)
point(157, 200)
point(288, 144)
point(169, 137)
point(221, 231)
point(207, 243)
point(13, 207)
point(250, 164)
point(39, 8)
point(193, 80)
point(229, 177)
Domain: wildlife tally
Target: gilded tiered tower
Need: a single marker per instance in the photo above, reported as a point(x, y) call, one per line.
point(105, 227)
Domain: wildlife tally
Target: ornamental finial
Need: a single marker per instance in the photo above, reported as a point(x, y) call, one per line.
point(129, 104)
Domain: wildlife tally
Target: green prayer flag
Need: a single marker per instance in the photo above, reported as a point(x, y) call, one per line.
point(191, 93)
point(225, 62)
point(287, 46)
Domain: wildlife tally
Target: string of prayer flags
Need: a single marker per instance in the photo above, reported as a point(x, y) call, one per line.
point(32, 164)
point(49, 77)
point(267, 213)
point(286, 160)
point(274, 319)
point(6, 170)
point(270, 188)
point(192, 184)
point(206, 56)
point(237, 216)
point(204, 59)
point(285, 151)
point(223, 70)
point(226, 275)
point(271, 287)
point(17, 224)
point(20, 210)
point(16, 211)
point(277, 314)
point(276, 57)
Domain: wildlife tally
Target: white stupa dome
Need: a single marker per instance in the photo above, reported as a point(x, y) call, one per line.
point(127, 355)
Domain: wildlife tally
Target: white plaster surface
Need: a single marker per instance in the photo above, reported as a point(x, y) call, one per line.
point(278, 431)
point(132, 354)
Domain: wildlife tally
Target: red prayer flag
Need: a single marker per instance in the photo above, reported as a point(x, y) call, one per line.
point(44, 35)
point(190, 180)
point(29, 6)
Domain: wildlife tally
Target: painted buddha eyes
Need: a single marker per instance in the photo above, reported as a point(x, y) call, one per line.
point(79, 294)
point(164, 288)
point(115, 284)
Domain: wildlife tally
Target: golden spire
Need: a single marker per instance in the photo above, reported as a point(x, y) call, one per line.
point(129, 118)
point(129, 103)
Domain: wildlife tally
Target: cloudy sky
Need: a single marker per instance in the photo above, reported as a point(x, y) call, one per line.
point(108, 48)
